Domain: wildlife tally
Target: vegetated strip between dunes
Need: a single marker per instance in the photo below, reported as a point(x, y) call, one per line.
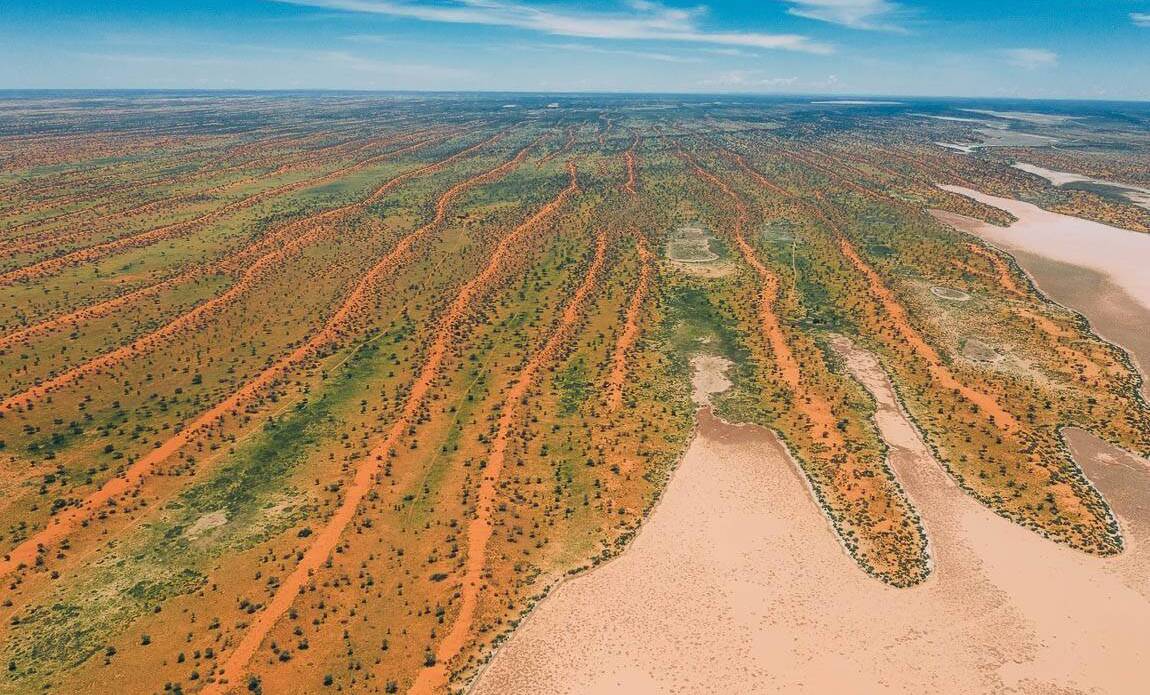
point(885, 558)
point(630, 331)
point(246, 281)
point(1103, 535)
point(939, 370)
point(65, 522)
point(280, 234)
point(91, 253)
point(479, 529)
point(327, 538)
point(45, 240)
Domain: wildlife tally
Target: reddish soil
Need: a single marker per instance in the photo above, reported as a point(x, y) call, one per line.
point(94, 311)
point(630, 332)
point(629, 155)
point(815, 407)
point(328, 537)
point(769, 283)
point(35, 242)
point(562, 150)
point(1005, 277)
point(938, 370)
point(65, 522)
point(246, 281)
point(479, 530)
point(92, 253)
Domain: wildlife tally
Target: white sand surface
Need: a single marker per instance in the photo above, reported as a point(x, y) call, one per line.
point(709, 376)
point(955, 119)
point(965, 149)
point(857, 102)
point(997, 137)
point(736, 584)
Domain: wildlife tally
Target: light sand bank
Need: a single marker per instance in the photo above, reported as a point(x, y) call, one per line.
point(1120, 254)
point(1097, 270)
point(737, 584)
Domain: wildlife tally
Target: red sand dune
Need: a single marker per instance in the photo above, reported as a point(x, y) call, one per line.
point(328, 537)
point(480, 528)
point(65, 522)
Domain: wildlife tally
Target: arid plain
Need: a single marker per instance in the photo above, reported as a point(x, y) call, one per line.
point(393, 393)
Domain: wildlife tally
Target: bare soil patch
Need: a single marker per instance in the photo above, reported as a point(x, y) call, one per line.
point(206, 523)
point(950, 294)
point(689, 250)
point(975, 349)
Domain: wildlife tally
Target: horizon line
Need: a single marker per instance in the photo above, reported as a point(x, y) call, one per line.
point(329, 90)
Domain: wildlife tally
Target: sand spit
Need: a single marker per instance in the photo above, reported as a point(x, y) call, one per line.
point(998, 137)
point(957, 147)
point(736, 584)
point(1058, 178)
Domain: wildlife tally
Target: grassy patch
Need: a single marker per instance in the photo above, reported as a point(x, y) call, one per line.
point(573, 384)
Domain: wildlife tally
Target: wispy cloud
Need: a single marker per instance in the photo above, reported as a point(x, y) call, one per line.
point(1031, 58)
point(1140, 19)
point(271, 58)
point(874, 15)
point(735, 52)
point(738, 80)
point(640, 19)
point(644, 55)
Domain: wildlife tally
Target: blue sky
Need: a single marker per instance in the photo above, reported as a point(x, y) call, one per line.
point(1094, 49)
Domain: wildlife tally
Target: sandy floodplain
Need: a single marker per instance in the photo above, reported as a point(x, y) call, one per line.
point(736, 584)
point(1098, 270)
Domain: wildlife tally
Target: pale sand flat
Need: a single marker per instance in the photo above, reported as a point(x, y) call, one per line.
point(1071, 269)
point(1058, 178)
point(708, 377)
point(736, 584)
point(1120, 254)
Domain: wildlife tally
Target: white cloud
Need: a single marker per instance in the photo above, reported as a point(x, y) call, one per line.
point(1031, 58)
point(856, 14)
point(598, 50)
point(747, 80)
point(645, 55)
point(644, 20)
point(733, 52)
point(1140, 19)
